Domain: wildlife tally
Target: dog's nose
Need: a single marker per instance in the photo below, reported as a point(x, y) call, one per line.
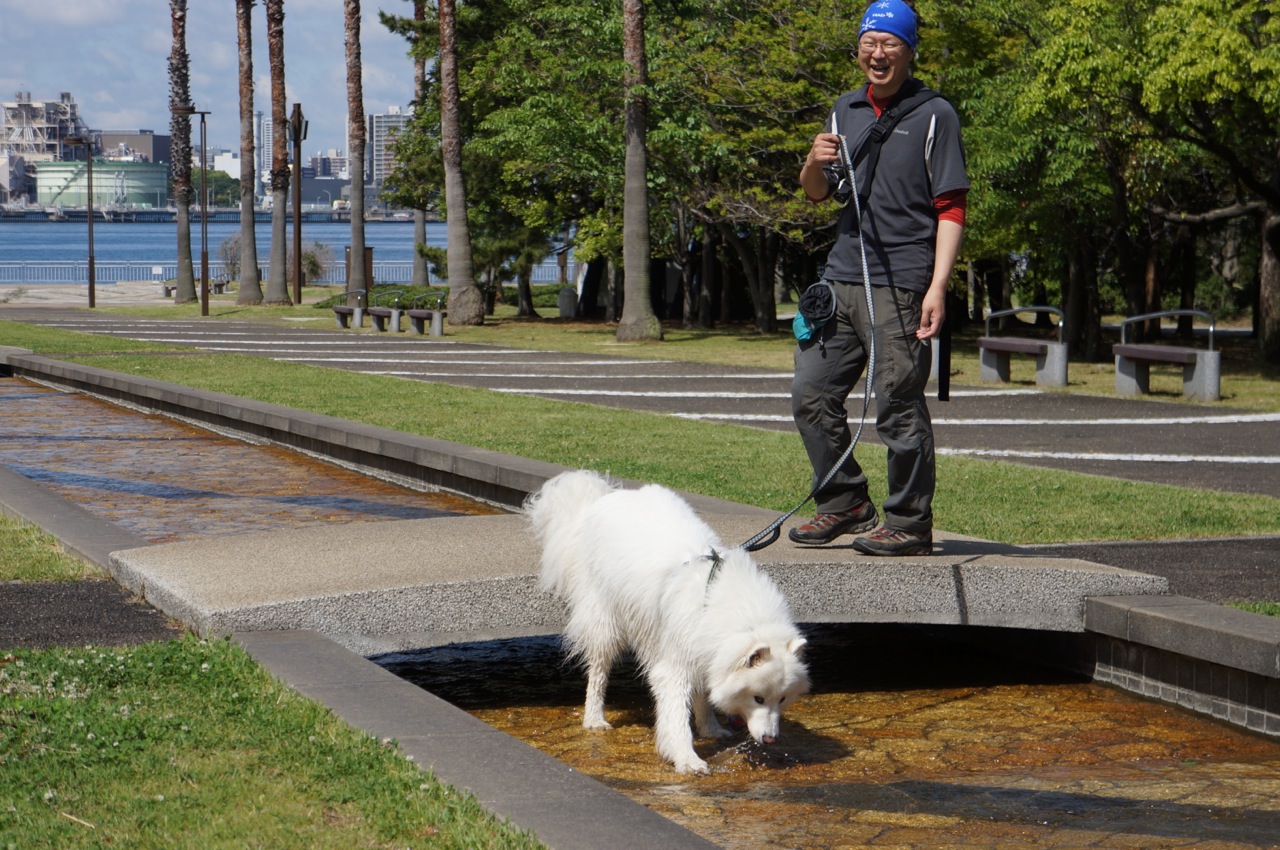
point(769, 739)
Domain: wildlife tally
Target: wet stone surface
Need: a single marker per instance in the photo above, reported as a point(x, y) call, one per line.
point(166, 481)
point(910, 739)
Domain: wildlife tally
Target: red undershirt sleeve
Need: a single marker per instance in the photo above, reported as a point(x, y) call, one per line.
point(951, 206)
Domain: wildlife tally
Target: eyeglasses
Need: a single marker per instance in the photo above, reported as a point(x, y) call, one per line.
point(890, 46)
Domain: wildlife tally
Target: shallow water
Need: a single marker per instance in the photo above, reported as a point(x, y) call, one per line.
point(910, 739)
point(167, 481)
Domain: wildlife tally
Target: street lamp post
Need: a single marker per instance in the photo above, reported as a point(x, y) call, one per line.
point(190, 109)
point(87, 141)
point(297, 129)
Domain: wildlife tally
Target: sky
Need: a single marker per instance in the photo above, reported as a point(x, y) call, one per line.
point(112, 56)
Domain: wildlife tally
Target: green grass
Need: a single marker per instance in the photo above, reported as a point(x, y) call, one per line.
point(1246, 382)
point(29, 554)
point(1271, 609)
point(235, 757)
point(189, 744)
point(996, 501)
point(992, 500)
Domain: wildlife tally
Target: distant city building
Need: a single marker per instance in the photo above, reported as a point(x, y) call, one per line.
point(33, 131)
point(116, 185)
point(380, 157)
point(134, 145)
point(228, 162)
point(330, 163)
point(266, 140)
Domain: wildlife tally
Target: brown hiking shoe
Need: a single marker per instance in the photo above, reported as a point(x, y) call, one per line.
point(885, 541)
point(824, 528)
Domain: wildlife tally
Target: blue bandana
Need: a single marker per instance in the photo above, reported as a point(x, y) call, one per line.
point(893, 17)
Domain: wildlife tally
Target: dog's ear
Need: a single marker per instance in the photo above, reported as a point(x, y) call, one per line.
point(796, 646)
point(759, 654)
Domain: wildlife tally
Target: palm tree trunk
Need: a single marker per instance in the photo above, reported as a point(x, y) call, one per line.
point(638, 321)
point(180, 130)
point(277, 274)
point(356, 143)
point(421, 269)
point(466, 304)
point(250, 288)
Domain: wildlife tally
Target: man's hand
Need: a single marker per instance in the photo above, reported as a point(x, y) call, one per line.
point(824, 151)
point(933, 311)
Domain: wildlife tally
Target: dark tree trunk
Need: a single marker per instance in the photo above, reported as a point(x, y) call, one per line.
point(180, 130)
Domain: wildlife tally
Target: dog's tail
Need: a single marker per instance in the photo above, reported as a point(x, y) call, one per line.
point(555, 512)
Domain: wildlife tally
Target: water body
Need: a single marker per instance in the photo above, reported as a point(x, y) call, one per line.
point(46, 241)
point(911, 740)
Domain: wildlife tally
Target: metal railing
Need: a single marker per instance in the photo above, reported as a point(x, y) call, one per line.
point(108, 272)
point(1124, 325)
point(1053, 311)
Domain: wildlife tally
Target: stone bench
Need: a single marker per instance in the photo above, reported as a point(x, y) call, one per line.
point(386, 317)
point(348, 315)
point(218, 287)
point(994, 351)
point(420, 318)
point(1201, 367)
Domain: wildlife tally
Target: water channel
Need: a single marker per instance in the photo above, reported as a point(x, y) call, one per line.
point(912, 737)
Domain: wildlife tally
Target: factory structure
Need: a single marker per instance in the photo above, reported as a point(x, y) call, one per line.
point(44, 145)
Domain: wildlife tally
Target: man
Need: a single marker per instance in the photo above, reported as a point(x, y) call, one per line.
point(912, 221)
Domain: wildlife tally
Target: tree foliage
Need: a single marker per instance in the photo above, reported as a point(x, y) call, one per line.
point(1115, 150)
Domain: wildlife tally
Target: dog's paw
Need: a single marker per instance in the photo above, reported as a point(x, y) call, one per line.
point(692, 765)
point(600, 725)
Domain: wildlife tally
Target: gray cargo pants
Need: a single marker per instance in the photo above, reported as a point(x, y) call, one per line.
point(828, 366)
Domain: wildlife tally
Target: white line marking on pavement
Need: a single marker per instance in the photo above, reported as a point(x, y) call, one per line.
point(637, 394)
point(545, 376)
point(1232, 419)
point(669, 394)
point(1110, 456)
point(453, 361)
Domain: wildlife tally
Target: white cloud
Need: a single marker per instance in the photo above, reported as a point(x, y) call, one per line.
point(112, 57)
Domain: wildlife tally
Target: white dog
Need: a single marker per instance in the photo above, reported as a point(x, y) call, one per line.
point(638, 569)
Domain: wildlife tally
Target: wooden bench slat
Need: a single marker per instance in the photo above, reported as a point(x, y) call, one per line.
point(1015, 344)
point(1158, 353)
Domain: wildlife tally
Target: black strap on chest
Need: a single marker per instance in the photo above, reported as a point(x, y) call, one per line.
point(912, 94)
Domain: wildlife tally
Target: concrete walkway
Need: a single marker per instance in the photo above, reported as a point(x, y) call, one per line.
point(328, 596)
point(309, 603)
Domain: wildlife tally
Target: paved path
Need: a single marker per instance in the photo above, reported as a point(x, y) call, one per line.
point(1205, 446)
point(566, 809)
point(1212, 447)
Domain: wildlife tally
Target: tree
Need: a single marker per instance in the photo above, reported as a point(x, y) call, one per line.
point(421, 271)
point(250, 289)
point(638, 321)
point(356, 279)
point(1215, 65)
point(180, 130)
point(277, 276)
point(466, 305)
